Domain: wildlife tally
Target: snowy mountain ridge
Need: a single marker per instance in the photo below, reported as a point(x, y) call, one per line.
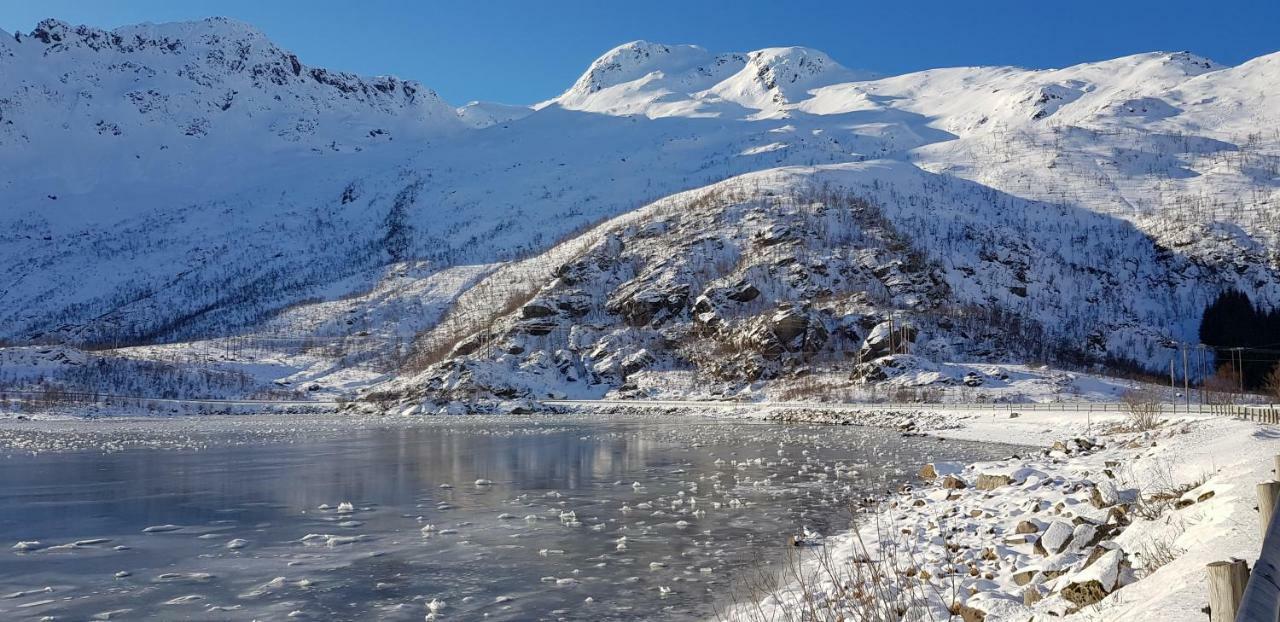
point(172, 184)
point(209, 93)
point(661, 80)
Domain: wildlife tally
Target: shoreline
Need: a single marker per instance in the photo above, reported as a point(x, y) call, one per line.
point(1094, 523)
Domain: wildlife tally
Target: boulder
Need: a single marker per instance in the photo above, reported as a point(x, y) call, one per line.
point(992, 482)
point(928, 472)
point(788, 323)
point(971, 614)
point(636, 362)
point(868, 373)
point(878, 339)
point(469, 345)
point(952, 482)
point(1084, 536)
point(1055, 539)
point(1025, 576)
point(1106, 494)
point(537, 309)
point(1096, 581)
point(743, 291)
point(1026, 526)
point(1118, 515)
point(788, 330)
point(704, 311)
point(1084, 444)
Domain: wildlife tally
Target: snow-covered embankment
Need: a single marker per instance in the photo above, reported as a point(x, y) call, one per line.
point(1099, 522)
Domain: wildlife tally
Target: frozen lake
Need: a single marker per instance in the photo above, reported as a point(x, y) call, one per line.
point(585, 518)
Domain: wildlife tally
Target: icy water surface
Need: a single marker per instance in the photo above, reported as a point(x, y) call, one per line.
point(575, 518)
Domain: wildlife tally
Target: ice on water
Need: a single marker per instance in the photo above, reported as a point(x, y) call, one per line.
point(583, 518)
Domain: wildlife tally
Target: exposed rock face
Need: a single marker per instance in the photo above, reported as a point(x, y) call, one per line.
point(736, 305)
point(789, 330)
point(640, 304)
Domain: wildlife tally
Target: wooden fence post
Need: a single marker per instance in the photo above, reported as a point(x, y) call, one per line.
point(1267, 494)
point(1226, 586)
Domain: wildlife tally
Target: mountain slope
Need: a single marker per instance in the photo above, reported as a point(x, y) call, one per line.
point(176, 182)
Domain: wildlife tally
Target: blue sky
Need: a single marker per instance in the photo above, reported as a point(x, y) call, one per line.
point(523, 52)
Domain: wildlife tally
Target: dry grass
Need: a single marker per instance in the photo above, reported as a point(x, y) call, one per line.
point(1158, 552)
point(873, 584)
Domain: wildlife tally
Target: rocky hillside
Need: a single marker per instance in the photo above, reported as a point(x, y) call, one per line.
point(851, 273)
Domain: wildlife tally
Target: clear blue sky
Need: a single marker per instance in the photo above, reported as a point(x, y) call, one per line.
point(522, 52)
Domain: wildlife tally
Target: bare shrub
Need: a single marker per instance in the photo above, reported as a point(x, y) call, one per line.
point(1272, 381)
point(1142, 408)
point(1223, 387)
point(1158, 489)
point(384, 399)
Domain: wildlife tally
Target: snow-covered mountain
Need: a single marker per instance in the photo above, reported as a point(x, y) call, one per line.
point(178, 182)
point(686, 80)
point(483, 114)
point(180, 97)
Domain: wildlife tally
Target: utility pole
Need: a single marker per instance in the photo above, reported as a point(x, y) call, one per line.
point(891, 348)
point(1186, 378)
point(1240, 371)
point(1203, 375)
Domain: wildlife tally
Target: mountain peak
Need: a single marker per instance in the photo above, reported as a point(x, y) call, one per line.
point(787, 70)
point(634, 60)
point(660, 79)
